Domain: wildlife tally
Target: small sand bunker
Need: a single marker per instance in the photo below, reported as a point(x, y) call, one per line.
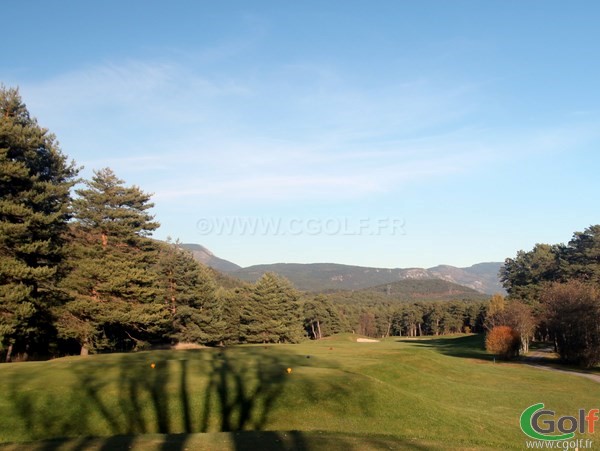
point(183, 346)
point(367, 340)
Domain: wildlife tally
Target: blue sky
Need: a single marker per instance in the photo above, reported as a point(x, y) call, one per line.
point(389, 133)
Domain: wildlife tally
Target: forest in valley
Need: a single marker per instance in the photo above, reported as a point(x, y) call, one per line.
point(80, 273)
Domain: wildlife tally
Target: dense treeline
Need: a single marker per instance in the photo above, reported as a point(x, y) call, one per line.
point(555, 291)
point(412, 319)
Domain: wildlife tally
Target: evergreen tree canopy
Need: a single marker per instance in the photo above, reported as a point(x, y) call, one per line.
point(524, 275)
point(272, 314)
point(112, 210)
point(113, 268)
point(583, 255)
point(527, 275)
point(35, 183)
point(190, 292)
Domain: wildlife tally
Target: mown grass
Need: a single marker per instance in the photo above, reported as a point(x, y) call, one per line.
point(442, 393)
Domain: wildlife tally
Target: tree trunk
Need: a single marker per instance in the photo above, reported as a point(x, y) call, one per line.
point(420, 330)
point(319, 329)
point(9, 353)
point(173, 288)
point(84, 350)
point(312, 328)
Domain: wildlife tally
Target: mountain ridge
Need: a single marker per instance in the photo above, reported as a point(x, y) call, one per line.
point(327, 277)
point(205, 256)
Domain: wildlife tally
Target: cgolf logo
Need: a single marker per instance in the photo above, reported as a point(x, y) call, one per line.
point(542, 424)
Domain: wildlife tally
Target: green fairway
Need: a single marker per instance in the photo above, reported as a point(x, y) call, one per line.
point(442, 393)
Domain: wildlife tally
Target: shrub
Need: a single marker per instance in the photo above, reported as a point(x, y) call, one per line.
point(503, 341)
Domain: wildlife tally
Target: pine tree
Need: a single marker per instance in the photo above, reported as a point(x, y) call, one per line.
point(35, 183)
point(582, 256)
point(232, 301)
point(190, 294)
point(272, 314)
point(113, 282)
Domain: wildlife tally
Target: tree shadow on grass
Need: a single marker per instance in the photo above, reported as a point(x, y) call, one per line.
point(223, 391)
point(169, 393)
point(242, 391)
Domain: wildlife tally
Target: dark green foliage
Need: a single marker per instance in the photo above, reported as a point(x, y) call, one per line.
point(112, 211)
point(272, 314)
point(35, 183)
point(526, 276)
point(581, 257)
point(232, 302)
point(453, 318)
point(190, 292)
point(474, 317)
point(321, 318)
point(226, 281)
point(437, 318)
point(113, 281)
point(409, 320)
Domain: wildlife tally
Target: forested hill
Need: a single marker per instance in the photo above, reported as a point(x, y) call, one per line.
point(420, 290)
point(323, 277)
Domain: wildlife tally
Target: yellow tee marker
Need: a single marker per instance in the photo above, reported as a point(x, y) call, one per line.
point(289, 370)
point(152, 365)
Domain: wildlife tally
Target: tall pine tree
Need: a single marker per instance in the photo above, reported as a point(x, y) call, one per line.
point(35, 183)
point(114, 284)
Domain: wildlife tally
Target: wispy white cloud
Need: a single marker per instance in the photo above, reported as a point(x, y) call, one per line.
point(293, 131)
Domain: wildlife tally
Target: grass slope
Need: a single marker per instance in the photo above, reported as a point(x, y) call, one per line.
point(441, 393)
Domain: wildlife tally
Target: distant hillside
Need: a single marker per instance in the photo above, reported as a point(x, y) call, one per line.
point(482, 277)
point(203, 255)
point(409, 290)
point(227, 281)
point(424, 289)
point(324, 277)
